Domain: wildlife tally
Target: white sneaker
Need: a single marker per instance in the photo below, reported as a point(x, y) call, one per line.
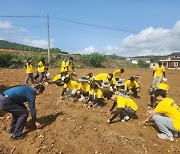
point(165, 137)
point(46, 83)
point(126, 118)
point(99, 106)
point(175, 134)
point(82, 98)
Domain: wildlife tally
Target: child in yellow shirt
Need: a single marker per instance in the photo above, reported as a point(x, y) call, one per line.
point(126, 107)
point(166, 116)
point(96, 97)
point(29, 71)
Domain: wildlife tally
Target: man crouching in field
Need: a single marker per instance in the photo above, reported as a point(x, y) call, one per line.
point(12, 101)
point(166, 116)
point(126, 107)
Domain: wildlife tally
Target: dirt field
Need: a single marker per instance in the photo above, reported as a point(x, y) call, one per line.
point(69, 128)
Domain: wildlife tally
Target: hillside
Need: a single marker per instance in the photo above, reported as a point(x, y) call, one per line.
point(16, 59)
point(21, 47)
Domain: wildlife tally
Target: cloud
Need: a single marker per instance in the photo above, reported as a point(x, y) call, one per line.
point(5, 25)
point(21, 29)
point(87, 50)
point(43, 43)
point(151, 41)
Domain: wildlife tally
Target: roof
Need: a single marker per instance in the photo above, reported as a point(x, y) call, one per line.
point(144, 59)
point(175, 54)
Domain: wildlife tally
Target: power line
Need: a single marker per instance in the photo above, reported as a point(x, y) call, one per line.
point(5, 16)
point(75, 22)
point(85, 24)
point(93, 25)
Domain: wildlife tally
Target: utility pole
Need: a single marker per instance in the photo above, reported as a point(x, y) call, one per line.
point(49, 58)
point(9, 35)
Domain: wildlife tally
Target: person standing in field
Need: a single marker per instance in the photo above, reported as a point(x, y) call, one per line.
point(63, 66)
point(117, 73)
point(41, 71)
point(70, 65)
point(158, 73)
point(29, 72)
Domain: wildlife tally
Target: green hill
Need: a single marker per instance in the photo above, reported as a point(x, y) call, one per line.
point(20, 47)
point(14, 55)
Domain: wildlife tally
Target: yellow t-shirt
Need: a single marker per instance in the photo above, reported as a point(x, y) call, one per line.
point(84, 87)
point(98, 93)
point(101, 76)
point(57, 77)
point(112, 82)
point(71, 85)
point(169, 108)
point(122, 102)
point(69, 66)
point(129, 85)
point(159, 71)
point(28, 68)
point(117, 73)
point(41, 67)
point(63, 66)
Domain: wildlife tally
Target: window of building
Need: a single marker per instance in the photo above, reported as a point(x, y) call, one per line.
point(175, 63)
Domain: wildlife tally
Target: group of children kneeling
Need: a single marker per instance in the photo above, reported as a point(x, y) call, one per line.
point(93, 91)
point(163, 110)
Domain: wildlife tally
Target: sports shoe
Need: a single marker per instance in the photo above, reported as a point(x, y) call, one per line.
point(82, 98)
point(99, 106)
point(126, 118)
point(165, 137)
point(10, 130)
point(22, 136)
point(176, 134)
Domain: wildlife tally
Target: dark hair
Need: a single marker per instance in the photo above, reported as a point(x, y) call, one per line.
point(160, 92)
point(95, 86)
point(28, 60)
point(70, 58)
point(111, 75)
point(39, 87)
point(132, 78)
point(122, 70)
point(90, 75)
point(160, 63)
point(66, 80)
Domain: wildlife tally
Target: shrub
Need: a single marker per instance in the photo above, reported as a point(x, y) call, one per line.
point(143, 64)
point(95, 59)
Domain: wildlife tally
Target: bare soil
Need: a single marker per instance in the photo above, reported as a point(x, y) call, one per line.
point(70, 128)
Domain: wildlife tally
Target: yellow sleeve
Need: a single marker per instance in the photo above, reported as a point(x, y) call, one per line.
point(136, 84)
point(126, 85)
point(79, 86)
point(65, 85)
point(163, 69)
point(100, 94)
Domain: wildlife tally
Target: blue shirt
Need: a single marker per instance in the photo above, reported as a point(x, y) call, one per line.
point(22, 94)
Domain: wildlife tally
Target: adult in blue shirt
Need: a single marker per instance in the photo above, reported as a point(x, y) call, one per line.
point(12, 101)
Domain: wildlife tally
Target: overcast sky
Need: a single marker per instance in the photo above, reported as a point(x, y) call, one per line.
point(122, 27)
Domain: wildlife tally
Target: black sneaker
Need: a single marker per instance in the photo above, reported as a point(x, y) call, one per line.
point(10, 130)
point(13, 138)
